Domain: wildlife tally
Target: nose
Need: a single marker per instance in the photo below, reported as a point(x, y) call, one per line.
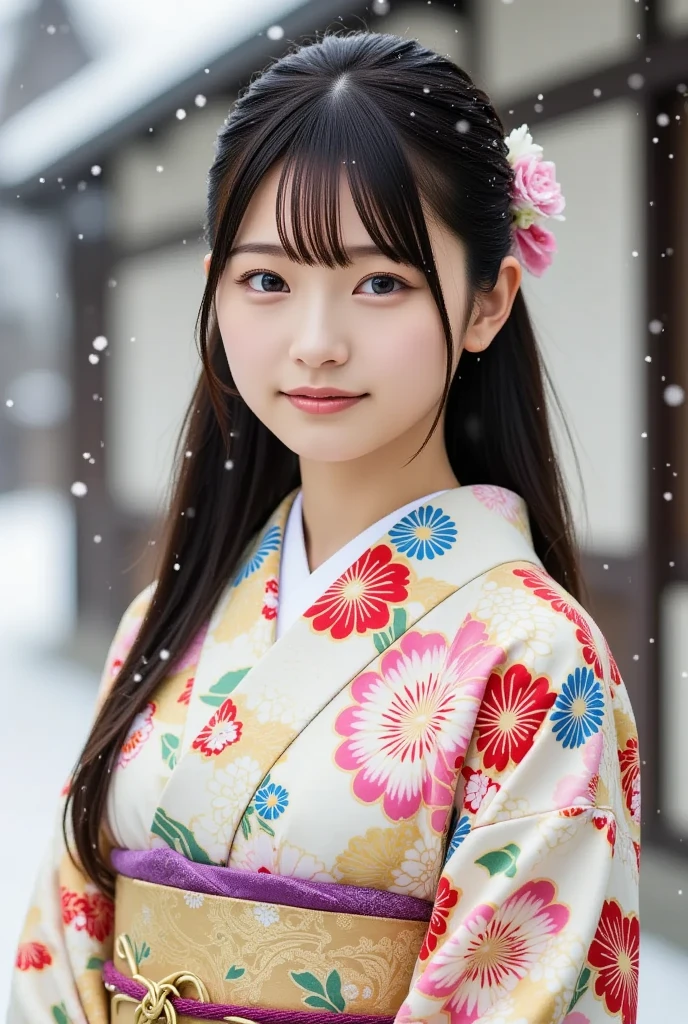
point(318, 338)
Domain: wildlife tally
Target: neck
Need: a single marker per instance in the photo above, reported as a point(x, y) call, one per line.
point(341, 499)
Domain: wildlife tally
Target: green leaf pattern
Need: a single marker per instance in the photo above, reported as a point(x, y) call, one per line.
point(170, 749)
point(581, 987)
point(325, 997)
point(178, 837)
point(223, 687)
point(501, 862)
point(386, 638)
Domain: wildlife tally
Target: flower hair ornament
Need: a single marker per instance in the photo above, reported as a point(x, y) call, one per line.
point(536, 196)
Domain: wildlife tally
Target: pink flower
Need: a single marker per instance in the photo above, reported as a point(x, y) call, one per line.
point(493, 949)
point(536, 186)
point(535, 247)
point(408, 728)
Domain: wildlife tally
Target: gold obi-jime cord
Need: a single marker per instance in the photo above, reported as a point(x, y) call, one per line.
point(156, 1001)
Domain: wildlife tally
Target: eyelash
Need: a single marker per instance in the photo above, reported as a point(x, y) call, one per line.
point(253, 273)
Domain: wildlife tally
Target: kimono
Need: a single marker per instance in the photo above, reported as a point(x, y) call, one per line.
point(423, 790)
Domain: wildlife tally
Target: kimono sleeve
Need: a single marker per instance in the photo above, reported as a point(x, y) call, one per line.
point(67, 930)
point(535, 919)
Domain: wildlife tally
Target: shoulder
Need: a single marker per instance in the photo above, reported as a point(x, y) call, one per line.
point(536, 618)
point(556, 703)
point(125, 634)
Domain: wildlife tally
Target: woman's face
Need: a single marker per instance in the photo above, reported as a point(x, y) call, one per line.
point(296, 334)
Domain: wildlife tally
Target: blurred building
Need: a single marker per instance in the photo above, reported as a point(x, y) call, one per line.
point(102, 178)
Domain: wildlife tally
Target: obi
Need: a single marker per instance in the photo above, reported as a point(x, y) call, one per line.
point(196, 941)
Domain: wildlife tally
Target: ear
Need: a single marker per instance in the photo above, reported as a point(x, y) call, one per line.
point(206, 263)
point(492, 309)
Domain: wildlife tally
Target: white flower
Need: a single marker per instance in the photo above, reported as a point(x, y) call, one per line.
point(194, 899)
point(505, 808)
point(266, 914)
point(349, 991)
point(231, 788)
point(520, 143)
point(146, 914)
point(272, 704)
point(559, 828)
point(559, 964)
point(367, 992)
point(417, 875)
point(517, 622)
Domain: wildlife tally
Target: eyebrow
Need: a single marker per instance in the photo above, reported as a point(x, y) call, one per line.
point(270, 249)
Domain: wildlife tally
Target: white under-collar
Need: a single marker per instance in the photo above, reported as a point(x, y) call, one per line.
point(299, 588)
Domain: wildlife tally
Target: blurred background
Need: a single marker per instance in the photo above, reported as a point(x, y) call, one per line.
point(108, 115)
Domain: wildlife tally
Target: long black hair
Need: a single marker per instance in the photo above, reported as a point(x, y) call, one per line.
point(406, 123)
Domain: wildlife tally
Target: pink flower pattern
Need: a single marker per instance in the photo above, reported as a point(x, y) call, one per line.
point(408, 730)
point(492, 949)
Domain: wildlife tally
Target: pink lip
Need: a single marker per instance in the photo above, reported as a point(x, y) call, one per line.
point(323, 405)
point(308, 392)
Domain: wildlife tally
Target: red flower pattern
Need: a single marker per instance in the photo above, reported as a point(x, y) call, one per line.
point(271, 599)
point(602, 820)
point(543, 586)
point(139, 731)
point(513, 708)
point(220, 732)
point(477, 787)
point(360, 599)
point(90, 912)
point(33, 956)
point(629, 761)
point(445, 899)
point(185, 696)
point(615, 955)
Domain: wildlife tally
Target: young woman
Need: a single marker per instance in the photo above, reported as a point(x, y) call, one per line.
point(360, 749)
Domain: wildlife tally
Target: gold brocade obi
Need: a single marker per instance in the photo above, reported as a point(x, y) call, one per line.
point(243, 955)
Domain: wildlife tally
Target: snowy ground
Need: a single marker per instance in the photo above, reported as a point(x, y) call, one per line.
point(46, 708)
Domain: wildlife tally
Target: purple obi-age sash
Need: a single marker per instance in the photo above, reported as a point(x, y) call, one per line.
point(244, 932)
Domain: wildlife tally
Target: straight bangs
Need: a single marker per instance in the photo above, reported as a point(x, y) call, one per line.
point(345, 131)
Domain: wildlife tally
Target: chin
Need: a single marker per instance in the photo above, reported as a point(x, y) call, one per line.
point(326, 450)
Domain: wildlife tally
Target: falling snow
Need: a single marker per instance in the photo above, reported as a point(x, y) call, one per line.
point(275, 32)
point(674, 395)
point(79, 489)
point(100, 343)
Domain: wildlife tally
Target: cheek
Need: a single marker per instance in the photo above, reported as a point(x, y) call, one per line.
point(411, 363)
point(249, 362)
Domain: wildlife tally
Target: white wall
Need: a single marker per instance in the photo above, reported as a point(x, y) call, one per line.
point(525, 44)
point(588, 313)
point(149, 204)
point(152, 378)
point(674, 683)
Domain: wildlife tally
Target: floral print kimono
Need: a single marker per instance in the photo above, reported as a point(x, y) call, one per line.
point(442, 721)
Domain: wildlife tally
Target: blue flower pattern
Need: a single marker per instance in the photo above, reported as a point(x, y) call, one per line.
point(463, 827)
point(579, 709)
point(424, 533)
point(271, 800)
point(270, 542)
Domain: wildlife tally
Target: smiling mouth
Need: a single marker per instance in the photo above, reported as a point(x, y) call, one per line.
point(319, 401)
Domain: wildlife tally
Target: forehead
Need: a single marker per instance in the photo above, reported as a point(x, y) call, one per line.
point(259, 223)
point(260, 220)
